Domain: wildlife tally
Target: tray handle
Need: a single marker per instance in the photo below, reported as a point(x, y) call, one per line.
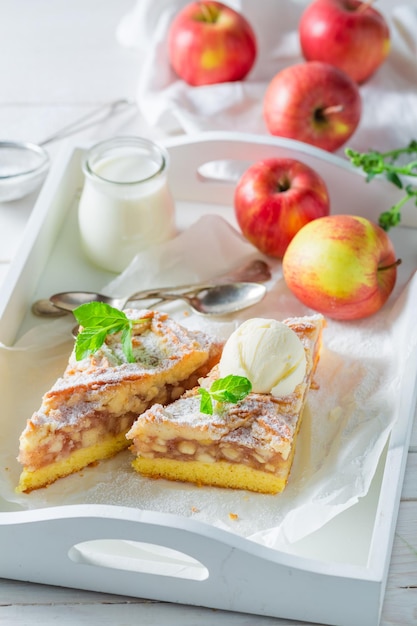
point(117, 550)
point(233, 152)
point(91, 546)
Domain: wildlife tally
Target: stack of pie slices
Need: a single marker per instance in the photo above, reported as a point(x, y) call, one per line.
point(102, 404)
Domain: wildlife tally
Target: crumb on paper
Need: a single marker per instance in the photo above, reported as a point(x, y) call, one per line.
point(194, 509)
point(233, 516)
point(335, 413)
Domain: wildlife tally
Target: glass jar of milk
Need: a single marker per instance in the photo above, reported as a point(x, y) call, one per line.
point(125, 205)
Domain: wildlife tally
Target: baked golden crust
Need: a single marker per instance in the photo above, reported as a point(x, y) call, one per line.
point(85, 415)
point(248, 445)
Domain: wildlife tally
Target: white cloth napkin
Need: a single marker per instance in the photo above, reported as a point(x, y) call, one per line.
point(389, 117)
point(188, 258)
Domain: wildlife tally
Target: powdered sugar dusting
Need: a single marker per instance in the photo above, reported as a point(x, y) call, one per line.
point(158, 342)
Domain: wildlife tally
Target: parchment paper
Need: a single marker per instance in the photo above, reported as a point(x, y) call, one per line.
point(346, 424)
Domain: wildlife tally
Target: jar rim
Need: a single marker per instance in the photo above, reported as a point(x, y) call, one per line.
point(120, 142)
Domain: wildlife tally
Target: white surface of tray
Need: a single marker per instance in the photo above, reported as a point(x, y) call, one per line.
point(340, 572)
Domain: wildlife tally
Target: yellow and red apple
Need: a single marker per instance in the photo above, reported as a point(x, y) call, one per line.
point(342, 266)
point(276, 197)
point(313, 102)
point(349, 34)
point(209, 42)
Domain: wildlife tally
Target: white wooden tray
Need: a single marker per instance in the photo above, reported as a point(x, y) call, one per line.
point(338, 576)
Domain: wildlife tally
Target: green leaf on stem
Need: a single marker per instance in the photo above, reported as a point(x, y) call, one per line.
point(374, 163)
point(231, 388)
point(98, 320)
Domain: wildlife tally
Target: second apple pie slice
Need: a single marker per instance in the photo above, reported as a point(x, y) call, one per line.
point(247, 445)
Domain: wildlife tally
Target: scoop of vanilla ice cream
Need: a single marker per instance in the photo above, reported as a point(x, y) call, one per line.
point(268, 353)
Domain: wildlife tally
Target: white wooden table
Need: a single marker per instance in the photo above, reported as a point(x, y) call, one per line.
point(58, 61)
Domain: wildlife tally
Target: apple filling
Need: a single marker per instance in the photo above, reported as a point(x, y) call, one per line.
point(54, 445)
point(50, 443)
point(193, 450)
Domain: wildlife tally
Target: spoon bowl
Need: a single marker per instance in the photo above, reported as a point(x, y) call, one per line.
point(222, 299)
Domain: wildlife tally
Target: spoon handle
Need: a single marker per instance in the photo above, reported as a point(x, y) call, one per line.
point(169, 292)
point(255, 270)
point(88, 120)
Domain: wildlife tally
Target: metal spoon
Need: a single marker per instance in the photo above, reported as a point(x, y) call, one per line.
point(99, 114)
point(219, 299)
point(254, 271)
point(222, 299)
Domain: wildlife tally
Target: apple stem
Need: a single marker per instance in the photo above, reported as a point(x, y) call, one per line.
point(209, 13)
point(364, 6)
point(390, 266)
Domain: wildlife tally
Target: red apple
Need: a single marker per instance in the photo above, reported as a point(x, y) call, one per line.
point(313, 102)
point(274, 198)
point(209, 42)
point(342, 266)
point(349, 34)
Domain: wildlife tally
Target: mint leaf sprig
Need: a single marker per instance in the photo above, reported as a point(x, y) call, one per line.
point(374, 163)
point(98, 320)
point(231, 388)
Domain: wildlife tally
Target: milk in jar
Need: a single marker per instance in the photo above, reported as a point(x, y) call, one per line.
point(125, 205)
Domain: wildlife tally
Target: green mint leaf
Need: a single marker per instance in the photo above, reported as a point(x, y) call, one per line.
point(206, 405)
point(98, 320)
point(127, 344)
point(88, 341)
point(231, 388)
point(390, 218)
point(98, 314)
point(394, 179)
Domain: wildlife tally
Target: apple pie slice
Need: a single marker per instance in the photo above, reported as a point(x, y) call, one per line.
point(248, 445)
point(86, 414)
